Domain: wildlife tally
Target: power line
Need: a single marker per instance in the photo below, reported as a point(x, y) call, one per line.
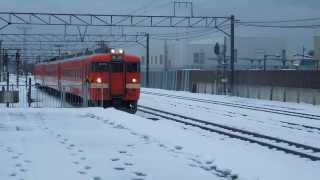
point(283, 21)
point(312, 26)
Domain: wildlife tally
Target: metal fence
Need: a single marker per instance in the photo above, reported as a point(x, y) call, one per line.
point(288, 86)
point(38, 97)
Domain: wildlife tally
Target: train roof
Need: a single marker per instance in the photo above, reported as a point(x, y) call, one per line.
point(92, 58)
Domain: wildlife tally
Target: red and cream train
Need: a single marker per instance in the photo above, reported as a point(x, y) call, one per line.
point(111, 78)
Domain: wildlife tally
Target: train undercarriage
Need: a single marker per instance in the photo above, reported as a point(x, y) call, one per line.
point(78, 101)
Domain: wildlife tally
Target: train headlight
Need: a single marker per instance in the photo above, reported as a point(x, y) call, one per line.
point(99, 80)
point(134, 80)
point(112, 51)
point(120, 51)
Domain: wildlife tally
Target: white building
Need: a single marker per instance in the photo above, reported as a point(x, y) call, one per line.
point(200, 54)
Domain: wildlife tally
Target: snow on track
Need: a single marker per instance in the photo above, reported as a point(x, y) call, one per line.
point(256, 121)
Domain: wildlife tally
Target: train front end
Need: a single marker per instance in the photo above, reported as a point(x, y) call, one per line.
point(115, 80)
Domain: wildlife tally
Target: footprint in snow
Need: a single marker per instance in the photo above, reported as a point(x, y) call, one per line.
point(134, 133)
point(119, 168)
point(162, 145)
point(13, 174)
point(140, 173)
point(87, 167)
point(178, 147)
point(83, 158)
point(122, 151)
point(75, 162)
point(82, 172)
point(96, 178)
point(14, 157)
point(23, 170)
point(105, 121)
point(115, 159)
point(71, 145)
point(27, 161)
point(192, 165)
point(130, 145)
point(128, 164)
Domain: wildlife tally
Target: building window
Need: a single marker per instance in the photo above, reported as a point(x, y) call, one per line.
point(161, 59)
point(201, 58)
point(151, 60)
point(198, 58)
point(155, 59)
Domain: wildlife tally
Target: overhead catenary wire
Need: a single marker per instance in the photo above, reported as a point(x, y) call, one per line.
point(302, 23)
point(312, 26)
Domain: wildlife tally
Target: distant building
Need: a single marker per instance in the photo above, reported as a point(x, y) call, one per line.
point(200, 54)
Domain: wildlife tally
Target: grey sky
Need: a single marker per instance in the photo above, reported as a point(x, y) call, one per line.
point(243, 9)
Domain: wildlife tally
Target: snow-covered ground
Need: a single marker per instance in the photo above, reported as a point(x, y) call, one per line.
point(98, 144)
point(257, 121)
point(93, 143)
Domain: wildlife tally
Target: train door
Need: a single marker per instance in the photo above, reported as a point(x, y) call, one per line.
point(117, 78)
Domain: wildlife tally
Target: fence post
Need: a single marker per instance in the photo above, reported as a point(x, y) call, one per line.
point(101, 96)
point(61, 96)
point(314, 100)
point(298, 96)
point(259, 93)
point(271, 93)
point(85, 95)
point(248, 93)
point(29, 93)
point(284, 95)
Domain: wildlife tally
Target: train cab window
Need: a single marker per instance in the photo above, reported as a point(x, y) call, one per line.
point(100, 67)
point(133, 67)
point(117, 67)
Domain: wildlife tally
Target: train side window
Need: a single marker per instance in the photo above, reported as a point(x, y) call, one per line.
point(133, 67)
point(100, 67)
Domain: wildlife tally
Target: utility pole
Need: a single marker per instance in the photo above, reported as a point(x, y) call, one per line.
point(303, 51)
point(224, 64)
point(17, 67)
point(232, 19)
point(284, 58)
point(1, 61)
point(5, 61)
point(264, 62)
point(24, 49)
point(147, 59)
point(165, 56)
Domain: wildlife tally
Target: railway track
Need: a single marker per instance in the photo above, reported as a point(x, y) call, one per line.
point(241, 106)
point(290, 147)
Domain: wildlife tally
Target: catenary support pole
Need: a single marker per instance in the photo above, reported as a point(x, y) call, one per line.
point(147, 59)
point(7, 85)
point(232, 54)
